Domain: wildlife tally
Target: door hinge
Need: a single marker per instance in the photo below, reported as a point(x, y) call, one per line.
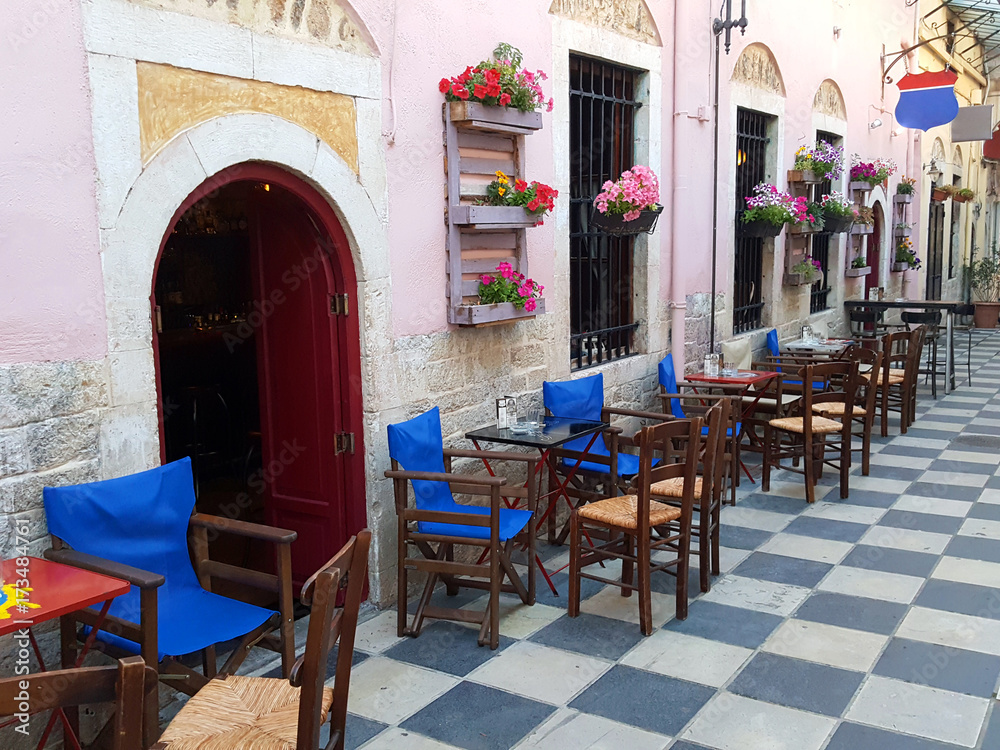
point(339, 304)
point(343, 442)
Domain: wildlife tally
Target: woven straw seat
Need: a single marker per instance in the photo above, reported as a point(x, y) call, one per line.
point(893, 379)
point(820, 425)
point(240, 712)
point(836, 408)
point(673, 487)
point(621, 512)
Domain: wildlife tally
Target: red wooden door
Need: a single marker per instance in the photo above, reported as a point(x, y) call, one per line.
point(300, 377)
point(874, 251)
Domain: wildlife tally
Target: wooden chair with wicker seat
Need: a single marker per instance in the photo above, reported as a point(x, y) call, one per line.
point(897, 377)
point(629, 519)
point(806, 432)
point(265, 713)
point(865, 406)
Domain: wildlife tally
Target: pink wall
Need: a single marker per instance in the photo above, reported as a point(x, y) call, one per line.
point(51, 294)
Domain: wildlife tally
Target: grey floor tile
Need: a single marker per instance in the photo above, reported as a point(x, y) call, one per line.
point(625, 695)
point(477, 717)
point(797, 684)
point(964, 598)
point(965, 467)
point(908, 450)
point(901, 473)
point(838, 531)
point(591, 635)
point(985, 510)
point(356, 733)
point(891, 560)
point(544, 595)
point(741, 537)
point(720, 622)
point(974, 548)
point(942, 667)
point(850, 736)
point(684, 745)
point(871, 499)
point(446, 647)
point(993, 483)
point(946, 491)
point(776, 503)
point(781, 569)
point(860, 613)
point(991, 738)
point(906, 519)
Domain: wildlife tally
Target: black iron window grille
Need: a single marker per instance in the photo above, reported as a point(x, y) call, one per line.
point(748, 271)
point(820, 291)
point(602, 100)
point(955, 241)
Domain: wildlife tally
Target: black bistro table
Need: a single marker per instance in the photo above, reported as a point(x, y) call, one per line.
point(551, 432)
point(945, 306)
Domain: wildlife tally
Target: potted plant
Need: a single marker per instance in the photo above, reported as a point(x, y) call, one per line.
point(498, 91)
point(868, 174)
point(859, 267)
point(902, 229)
point(807, 217)
point(628, 206)
point(768, 210)
point(508, 204)
point(806, 271)
point(906, 257)
point(962, 195)
point(505, 286)
point(985, 278)
point(904, 190)
point(864, 223)
point(941, 194)
point(823, 161)
point(838, 213)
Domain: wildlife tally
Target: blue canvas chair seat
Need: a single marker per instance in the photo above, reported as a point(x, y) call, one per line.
point(416, 446)
point(136, 527)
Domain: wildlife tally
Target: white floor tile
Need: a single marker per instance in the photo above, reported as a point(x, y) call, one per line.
point(878, 484)
point(951, 629)
point(953, 412)
point(972, 457)
point(933, 505)
point(730, 557)
point(763, 596)
point(912, 442)
point(920, 710)
point(732, 722)
point(928, 423)
point(395, 738)
point(874, 584)
point(389, 691)
point(990, 496)
point(377, 634)
point(906, 539)
point(843, 511)
point(751, 518)
point(906, 462)
point(826, 644)
point(796, 490)
point(535, 671)
point(570, 729)
point(986, 422)
point(688, 658)
point(980, 527)
point(952, 478)
point(518, 620)
point(807, 548)
point(962, 570)
point(609, 602)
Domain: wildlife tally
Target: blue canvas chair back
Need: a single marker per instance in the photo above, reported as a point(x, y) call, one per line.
point(417, 445)
point(582, 398)
point(668, 379)
point(142, 520)
point(772, 343)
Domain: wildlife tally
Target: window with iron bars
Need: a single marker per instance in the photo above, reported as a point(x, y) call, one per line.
point(748, 257)
point(819, 293)
point(603, 104)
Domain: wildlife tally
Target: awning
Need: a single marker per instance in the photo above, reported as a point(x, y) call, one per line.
point(980, 18)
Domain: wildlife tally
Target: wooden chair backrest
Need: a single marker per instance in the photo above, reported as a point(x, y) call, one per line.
point(873, 360)
point(124, 684)
point(660, 441)
point(841, 380)
point(348, 569)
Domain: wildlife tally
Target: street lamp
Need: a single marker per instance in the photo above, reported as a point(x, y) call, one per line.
point(718, 26)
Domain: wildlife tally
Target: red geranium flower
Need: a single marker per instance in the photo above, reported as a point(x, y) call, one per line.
point(479, 91)
point(460, 91)
point(520, 185)
point(492, 89)
point(504, 100)
point(444, 85)
point(493, 76)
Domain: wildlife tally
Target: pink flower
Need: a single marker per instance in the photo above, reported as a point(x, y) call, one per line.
point(524, 291)
point(530, 305)
point(506, 270)
point(486, 279)
point(631, 215)
point(550, 105)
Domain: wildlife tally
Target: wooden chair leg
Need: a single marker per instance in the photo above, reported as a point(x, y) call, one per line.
point(716, 518)
point(574, 564)
point(765, 477)
point(627, 568)
point(645, 588)
point(705, 551)
point(866, 444)
point(845, 461)
point(401, 582)
point(809, 468)
point(67, 638)
point(884, 398)
point(683, 558)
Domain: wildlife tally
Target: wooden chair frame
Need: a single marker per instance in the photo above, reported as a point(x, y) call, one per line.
point(864, 425)
point(172, 672)
point(440, 563)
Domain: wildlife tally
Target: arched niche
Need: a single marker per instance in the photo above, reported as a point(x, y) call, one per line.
point(829, 100)
point(757, 67)
point(630, 18)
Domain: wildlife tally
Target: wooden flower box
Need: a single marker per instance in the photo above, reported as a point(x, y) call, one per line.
point(862, 229)
point(899, 198)
point(477, 116)
point(803, 227)
point(899, 267)
point(858, 272)
point(806, 176)
point(485, 315)
point(797, 279)
point(898, 233)
point(493, 217)
point(859, 186)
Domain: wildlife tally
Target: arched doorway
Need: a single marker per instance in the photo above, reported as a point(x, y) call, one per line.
point(258, 361)
point(873, 253)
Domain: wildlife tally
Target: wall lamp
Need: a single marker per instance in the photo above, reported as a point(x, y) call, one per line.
point(876, 123)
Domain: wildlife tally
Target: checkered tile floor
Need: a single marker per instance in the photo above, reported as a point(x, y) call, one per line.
point(872, 622)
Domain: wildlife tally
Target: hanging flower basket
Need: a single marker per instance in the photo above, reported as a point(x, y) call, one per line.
point(959, 198)
point(804, 175)
point(859, 229)
point(797, 279)
point(899, 267)
point(859, 185)
point(760, 228)
point(615, 223)
point(858, 272)
point(834, 224)
point(804, 227)
point(629, 205)
point(902, 198)
point(938, 195)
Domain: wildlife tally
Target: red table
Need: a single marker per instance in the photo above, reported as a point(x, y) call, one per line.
point(42, 590)
point(741, 382)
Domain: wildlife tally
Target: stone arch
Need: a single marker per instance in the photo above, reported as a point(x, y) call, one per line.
point(829, 100)
point(937, 150)
point(757, 67)
point(957, 158)
point(630, 18)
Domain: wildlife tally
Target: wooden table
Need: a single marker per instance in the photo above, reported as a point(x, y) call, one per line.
point(945, 306)
point(36, 591)
point(552, 432)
